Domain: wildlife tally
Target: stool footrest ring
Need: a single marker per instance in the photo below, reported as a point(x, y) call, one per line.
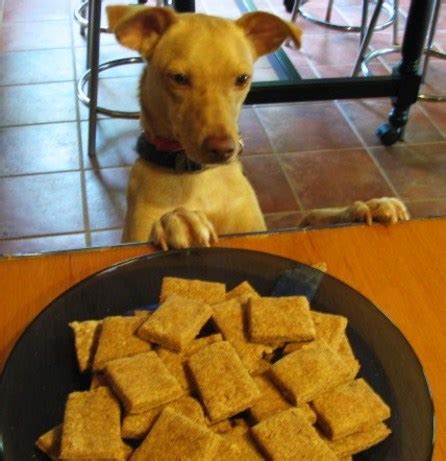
point(83, 81)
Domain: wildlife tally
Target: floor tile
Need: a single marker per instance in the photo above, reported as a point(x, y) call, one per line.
point(341, 177)
point(81, 40)
point(418, 172)
point(106, 197)
point(270, 184)
point(24, 67)
point(116, 94)
point(437, 113)
point(435, 81)
point(45, 35)
point(106, 238)
point(253, 134)
point(115, 143)
point(427, 208)
point(109, 53)
point(42, 244)
point(331, 49)
point(30, 10)
point(39, 148)
point(368, 115)
point(346, 70)
point(40, 205)
point(276, 221)
point(317, 10)
point(306, 126)
point(39, 103)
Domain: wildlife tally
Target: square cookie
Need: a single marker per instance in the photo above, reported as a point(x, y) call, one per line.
point(175, 437)
point(142, 382)
point(349, 408)
point(359, 441)
point(310, 371)
point(199, 290)
point(175, 323)
point(86, 336)
point(329, 327)
point(230, 318)
point(273, 320)
point(224, 384)
point(242, 293)
point(118, 339)
point(92, 426)
point(136, 426)
point(270, 402)
point(289, 436)
point(49, 442)
point(176, 361)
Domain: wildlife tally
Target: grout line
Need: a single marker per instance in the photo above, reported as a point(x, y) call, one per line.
point(64, 81)
point(51, 82)
point(84, 198)
point(368, 151)
point(431, 120)
point(38, 236)
point(281, 166)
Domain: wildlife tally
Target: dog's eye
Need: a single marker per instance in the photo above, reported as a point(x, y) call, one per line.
point(180, 79)
point(242, 80)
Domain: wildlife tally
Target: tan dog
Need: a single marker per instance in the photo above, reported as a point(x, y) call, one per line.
point(191, 93)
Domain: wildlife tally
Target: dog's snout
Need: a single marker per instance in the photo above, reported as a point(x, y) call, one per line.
point(221, 148)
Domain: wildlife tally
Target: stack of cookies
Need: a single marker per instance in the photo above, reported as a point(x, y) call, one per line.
point(218, 375)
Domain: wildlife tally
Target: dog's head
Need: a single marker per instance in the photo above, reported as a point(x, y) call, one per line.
point(199, 72)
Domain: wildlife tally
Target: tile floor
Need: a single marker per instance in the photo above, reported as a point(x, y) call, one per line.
point(298, 156)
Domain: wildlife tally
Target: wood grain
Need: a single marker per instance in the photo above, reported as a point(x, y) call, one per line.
point(401, 268)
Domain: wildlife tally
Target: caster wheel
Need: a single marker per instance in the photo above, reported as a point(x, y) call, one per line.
point(388, 134)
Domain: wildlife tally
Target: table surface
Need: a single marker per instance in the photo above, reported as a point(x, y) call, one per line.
point(401, 268)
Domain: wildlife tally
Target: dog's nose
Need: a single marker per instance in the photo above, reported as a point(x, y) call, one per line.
point(220, 147)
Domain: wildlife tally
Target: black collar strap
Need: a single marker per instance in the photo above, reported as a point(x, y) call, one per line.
point(175, 160)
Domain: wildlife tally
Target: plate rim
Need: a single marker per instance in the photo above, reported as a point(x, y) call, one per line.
point(185, 252)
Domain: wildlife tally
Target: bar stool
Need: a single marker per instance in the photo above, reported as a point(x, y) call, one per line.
point(88, 14)
point(392, 13)
point(364, 58)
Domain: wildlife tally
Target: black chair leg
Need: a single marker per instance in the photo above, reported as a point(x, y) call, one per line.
point(408, 71)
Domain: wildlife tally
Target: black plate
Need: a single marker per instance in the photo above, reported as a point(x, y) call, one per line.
point(41, 370)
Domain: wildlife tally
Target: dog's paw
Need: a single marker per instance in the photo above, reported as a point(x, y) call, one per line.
point(387, 210)
point(182, 228)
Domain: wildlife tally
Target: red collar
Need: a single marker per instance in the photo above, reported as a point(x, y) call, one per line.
point(165, 144)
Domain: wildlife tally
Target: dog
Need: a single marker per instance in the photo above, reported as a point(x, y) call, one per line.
point(188, 187)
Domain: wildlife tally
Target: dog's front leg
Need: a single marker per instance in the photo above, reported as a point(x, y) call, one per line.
point(388, 210)
point(183, 228)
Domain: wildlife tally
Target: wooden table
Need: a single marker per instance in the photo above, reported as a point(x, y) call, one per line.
point(401, 268)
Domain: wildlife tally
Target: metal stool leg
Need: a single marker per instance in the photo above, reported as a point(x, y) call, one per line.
point(364, 20)
point(94, 32)
point(329, 10)
point(368, 36)
point(396, 22)
point(295, 12)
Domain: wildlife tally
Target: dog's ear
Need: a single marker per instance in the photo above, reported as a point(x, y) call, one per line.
point(267, 32)
point(139, 27)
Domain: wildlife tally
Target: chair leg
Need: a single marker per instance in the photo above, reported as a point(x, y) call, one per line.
point(364, 20)
point(295, 11)
point(368, 36)
point(329, 10)
point(430, 37)
point(396, 22)
point(94, 33)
